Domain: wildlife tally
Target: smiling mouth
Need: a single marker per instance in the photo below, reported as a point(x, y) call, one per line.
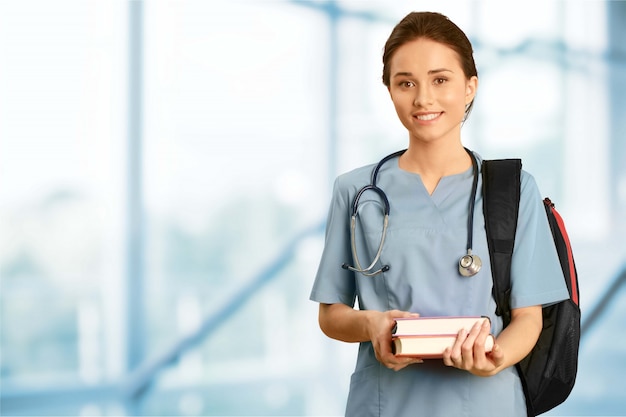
point(427, 117)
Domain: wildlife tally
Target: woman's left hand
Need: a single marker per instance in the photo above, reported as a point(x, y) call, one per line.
point(468, 352)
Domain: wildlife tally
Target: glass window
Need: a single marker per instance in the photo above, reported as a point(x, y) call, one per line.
point(62, 163)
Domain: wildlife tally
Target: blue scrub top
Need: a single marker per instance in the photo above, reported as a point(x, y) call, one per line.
point(426, 236)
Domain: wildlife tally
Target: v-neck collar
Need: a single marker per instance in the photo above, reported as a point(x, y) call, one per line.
point(445, 186)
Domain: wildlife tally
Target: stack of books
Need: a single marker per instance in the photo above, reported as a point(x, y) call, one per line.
point(428, 337)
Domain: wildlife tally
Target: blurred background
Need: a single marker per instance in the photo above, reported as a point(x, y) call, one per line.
point(165, 171)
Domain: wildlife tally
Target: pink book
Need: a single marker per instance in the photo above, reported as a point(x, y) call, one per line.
point(428, 347)
point(424, 326)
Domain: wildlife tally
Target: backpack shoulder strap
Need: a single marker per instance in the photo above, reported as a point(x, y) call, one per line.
point(501, 197)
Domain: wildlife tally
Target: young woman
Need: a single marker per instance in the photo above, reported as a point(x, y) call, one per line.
point(411, 266)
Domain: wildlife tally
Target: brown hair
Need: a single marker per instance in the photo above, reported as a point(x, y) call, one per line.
point(436, 27)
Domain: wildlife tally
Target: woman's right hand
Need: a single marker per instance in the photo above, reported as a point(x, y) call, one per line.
point(342, 322)
point(380, 325)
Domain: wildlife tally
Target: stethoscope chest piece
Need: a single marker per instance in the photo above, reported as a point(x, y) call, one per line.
point(469, 265)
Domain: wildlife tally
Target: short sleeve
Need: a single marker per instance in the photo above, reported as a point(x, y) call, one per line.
point(536, 274)
point(334, 284)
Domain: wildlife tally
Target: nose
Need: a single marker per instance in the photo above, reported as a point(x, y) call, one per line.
point(423, 97)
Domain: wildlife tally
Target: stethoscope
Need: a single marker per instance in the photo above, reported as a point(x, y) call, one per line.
point(469, 264)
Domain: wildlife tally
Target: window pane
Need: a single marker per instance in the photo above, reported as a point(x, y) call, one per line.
point(61, 189)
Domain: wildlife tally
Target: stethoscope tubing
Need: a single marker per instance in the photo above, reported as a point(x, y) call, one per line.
point(465, 268)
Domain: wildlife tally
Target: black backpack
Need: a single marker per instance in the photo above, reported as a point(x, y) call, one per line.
point(549, 371)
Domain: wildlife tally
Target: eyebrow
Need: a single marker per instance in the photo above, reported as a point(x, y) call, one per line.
point(431, 72)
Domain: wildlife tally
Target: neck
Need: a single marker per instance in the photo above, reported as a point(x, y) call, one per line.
point(435, 161)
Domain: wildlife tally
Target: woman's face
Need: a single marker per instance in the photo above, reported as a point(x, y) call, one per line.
point(430, 90)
